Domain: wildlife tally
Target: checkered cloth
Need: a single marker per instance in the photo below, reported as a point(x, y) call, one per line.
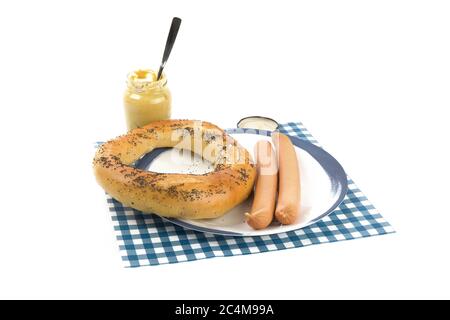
point(149, 240)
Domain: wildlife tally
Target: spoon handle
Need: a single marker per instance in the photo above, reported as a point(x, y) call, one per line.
point(169, 43)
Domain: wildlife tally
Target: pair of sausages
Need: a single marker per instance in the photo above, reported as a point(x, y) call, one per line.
point(271, 173)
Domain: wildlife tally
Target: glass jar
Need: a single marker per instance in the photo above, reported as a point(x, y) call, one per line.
point(146, 99)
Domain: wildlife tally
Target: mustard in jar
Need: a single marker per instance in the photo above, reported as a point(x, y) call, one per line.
point(146, 99)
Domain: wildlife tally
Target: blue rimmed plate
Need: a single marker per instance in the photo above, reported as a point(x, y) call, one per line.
point(323, 185)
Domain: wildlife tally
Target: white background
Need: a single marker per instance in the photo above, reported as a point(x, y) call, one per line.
point(370, 79)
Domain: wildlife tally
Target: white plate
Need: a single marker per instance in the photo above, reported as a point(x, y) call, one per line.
point(323, 185)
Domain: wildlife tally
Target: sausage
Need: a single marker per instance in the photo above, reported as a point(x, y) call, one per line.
point(263, 206)
point(288, 203)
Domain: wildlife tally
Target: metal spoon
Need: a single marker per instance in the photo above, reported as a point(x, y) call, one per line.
point(169, 43)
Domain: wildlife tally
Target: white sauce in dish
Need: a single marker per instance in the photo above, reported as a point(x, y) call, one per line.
point(259, 123)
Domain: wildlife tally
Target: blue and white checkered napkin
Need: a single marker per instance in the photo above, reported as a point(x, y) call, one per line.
point(146, 239)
